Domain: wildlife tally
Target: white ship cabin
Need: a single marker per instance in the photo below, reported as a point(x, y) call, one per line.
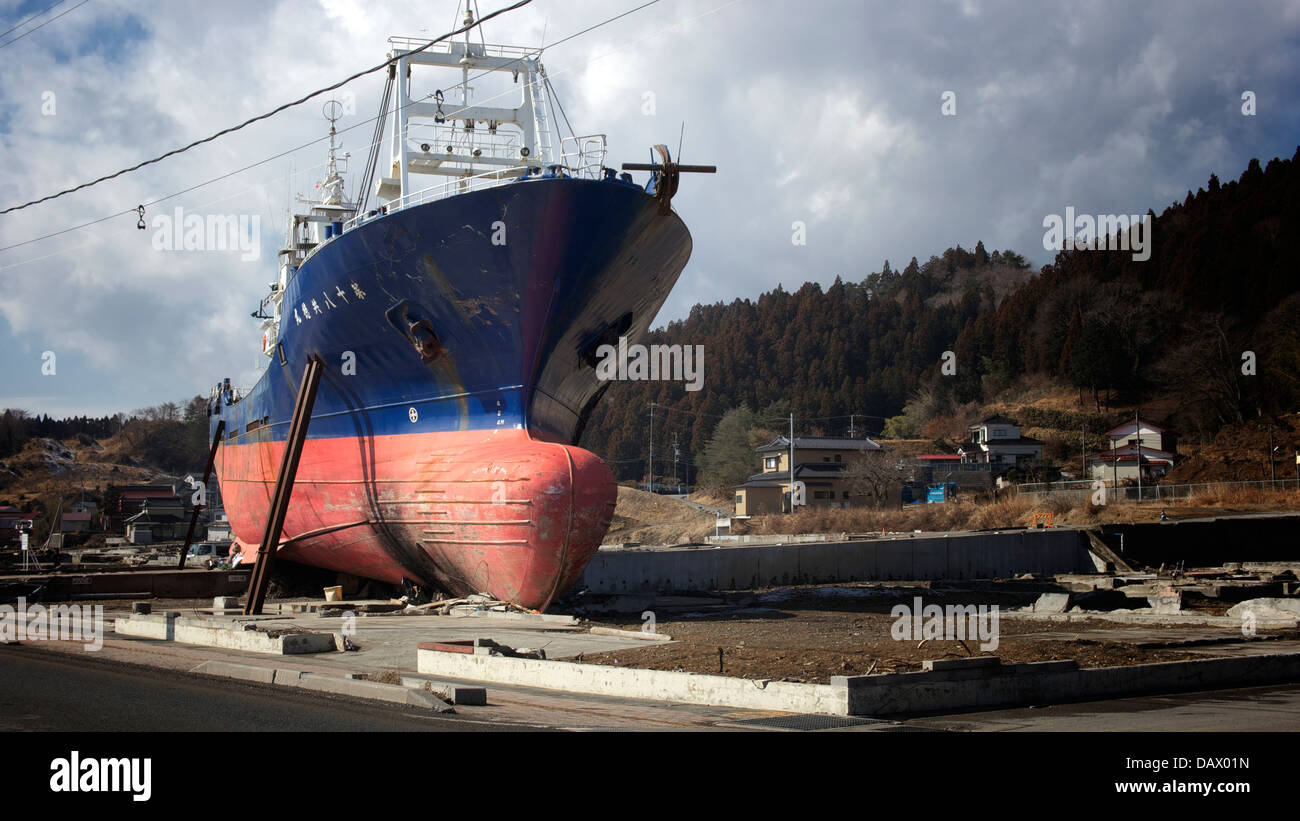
point(492, 124)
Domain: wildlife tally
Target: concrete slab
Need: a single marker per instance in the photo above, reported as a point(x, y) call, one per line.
point(168, 627)
point(457, 693)
point(354, 687)
point(1281, 607)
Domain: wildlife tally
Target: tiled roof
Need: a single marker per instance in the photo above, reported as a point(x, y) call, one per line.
point(819, 443)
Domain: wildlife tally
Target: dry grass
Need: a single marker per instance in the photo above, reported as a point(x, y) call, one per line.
point(1016, 511)
point(653, 519)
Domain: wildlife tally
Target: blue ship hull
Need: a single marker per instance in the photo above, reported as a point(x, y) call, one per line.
point(442, 326)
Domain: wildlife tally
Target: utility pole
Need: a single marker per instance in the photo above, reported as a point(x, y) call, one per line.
point(676, 454)
point(1138, 423)
point(850, 426)
point(1272, 471)
point(1114, 469)
point(792, 462)
point(651, 463)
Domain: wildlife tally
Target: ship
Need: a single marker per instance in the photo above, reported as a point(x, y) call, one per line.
point(458, 304)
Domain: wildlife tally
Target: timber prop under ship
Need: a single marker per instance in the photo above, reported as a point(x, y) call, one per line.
point(458, 324)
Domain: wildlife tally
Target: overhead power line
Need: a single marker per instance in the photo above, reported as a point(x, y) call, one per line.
point(42, 25)
point(33, 17)
point(196, 186)
point(267, 115)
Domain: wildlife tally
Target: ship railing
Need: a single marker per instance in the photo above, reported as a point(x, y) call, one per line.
point(504, 143)
point(584, 156)
point(457, 185)
point(445, 47)
point(236, 393)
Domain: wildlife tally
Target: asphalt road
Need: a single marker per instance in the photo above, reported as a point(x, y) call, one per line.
point(46, 692)
point(1249, 709)
point(43, 691)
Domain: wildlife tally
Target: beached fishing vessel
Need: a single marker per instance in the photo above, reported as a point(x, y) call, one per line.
point(458, 322)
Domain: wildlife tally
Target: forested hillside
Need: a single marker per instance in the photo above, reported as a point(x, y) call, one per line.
point(1213, 315)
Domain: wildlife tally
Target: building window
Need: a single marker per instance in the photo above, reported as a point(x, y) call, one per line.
point(770, 463)
point(839, 457)
point(740, 498)
point(846, 494)
point(822, 494)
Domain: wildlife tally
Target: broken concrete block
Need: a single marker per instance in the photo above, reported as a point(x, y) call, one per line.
point(1261, 607)
point(1052, 603)
point(1166, 601)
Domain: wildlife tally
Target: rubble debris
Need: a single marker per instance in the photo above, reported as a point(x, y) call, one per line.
point(1267, 609)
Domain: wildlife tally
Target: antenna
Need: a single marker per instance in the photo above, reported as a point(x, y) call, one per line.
point(680, 136)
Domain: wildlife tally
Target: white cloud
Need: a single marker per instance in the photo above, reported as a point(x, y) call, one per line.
point(834, 119)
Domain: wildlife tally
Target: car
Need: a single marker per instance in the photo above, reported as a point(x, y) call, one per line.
point(210, 550)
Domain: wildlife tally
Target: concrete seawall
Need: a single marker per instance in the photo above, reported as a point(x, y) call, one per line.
point(931, 556)
point(1210, 542)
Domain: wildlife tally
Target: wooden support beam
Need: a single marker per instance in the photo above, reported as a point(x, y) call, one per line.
point(284, 486)
point(207, 474)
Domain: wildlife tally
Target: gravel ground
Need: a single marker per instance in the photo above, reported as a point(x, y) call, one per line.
point(810, 634)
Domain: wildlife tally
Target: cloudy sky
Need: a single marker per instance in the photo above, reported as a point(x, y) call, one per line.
point(827, 113)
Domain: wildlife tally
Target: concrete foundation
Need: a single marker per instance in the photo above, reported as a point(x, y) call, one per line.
point(688, 688)
point(932, 556)
point(951, 684)
point(171, 627)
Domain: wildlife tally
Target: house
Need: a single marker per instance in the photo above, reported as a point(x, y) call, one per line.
point(819, 464)
point(75, 521)
point(10, 516)
point(160, 498)
point(934, 468)
point(219, 527)
point(149, 526)
point(996, 440)
point(1157, 447)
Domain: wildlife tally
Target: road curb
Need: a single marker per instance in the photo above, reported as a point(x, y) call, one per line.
point(947, 685)
point(319, 682)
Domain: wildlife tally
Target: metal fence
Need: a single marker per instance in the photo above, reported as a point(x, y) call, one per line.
point(1082, 492)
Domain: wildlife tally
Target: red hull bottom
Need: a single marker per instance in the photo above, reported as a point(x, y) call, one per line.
point(495, 512)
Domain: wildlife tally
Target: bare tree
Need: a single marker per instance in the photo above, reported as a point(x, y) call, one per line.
point(1204, 369)
point(874, 474)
